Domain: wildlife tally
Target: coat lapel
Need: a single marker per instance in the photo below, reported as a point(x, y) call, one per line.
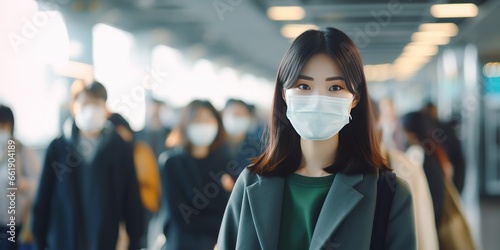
point(340, 201)
point(266, 199)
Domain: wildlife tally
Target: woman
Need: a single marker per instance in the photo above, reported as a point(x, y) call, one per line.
point(193, 179)
point(242, 144)
point(315, 185)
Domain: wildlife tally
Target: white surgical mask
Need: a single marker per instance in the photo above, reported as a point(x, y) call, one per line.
point(236, 125)
point(91, 118)
point(317, 117)
point(5, 136)
point(201, 134)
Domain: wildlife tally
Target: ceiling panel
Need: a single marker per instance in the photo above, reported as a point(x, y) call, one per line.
point(244, 33)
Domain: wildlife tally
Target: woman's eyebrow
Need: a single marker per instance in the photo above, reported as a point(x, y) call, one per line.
point(332, 78)
point(335, 78)
point(305, 77)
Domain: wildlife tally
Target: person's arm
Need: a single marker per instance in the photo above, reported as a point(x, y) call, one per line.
point(228, 233)
point(42, 201)
point(401, 229)
point(133, 209)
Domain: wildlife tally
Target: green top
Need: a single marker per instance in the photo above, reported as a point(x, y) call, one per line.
point(303, 199)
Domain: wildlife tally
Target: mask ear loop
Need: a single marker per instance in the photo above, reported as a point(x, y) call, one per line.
point(350, 117)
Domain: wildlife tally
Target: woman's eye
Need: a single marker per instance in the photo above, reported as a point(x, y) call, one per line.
point(303, 86)
point(335, 88)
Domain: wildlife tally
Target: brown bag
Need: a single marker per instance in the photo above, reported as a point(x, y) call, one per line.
point(453, 230)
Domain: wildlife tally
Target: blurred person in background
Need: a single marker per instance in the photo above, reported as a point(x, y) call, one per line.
point(242, 146)
point(195, 179)
point(423, 209)
point(315, 186)
point(426, 139)
point(27, 169)
point(393, 134)
point(425, 149)
point(88, 182)
point(451, 145)
point(147, 174)
point(163, 120)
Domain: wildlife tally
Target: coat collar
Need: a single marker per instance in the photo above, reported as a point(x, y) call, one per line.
point(340, 201)
point(266, 199)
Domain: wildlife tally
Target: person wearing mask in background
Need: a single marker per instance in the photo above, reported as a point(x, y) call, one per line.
point(451, 145)
point(26, 165)
point(426, 139)
point(242, 146)
point(193, 179)
point(88, 182)
point(147, 174)
point(315, 186)
point(423, 209)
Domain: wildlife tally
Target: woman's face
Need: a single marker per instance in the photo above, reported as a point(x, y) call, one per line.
point(202, 130)
point(204, 116)
point(237, 110)
point(321, 76)
point(319, 103)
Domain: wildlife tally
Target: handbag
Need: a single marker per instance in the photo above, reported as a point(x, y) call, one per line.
point(453, 230)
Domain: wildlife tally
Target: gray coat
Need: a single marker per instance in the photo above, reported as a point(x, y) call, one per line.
point(253, 214)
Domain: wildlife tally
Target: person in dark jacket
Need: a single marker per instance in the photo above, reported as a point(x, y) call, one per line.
point(194, 179)
point(88, 183)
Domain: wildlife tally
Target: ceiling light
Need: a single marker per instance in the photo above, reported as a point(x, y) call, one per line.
point(286, 13)
point(424, 37)
point(406, 67)
point(450, 29)
point(454, 10)
point(428, 41)
point(405, 62)
point(428, 50)
point(431, 34)
point(294, 30)
point(378, 72)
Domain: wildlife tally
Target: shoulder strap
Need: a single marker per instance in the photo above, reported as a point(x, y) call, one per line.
point(386, 187)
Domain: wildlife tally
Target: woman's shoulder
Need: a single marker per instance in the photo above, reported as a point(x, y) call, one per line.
point(402, 189)
point(247, 178)
point(402, 201)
